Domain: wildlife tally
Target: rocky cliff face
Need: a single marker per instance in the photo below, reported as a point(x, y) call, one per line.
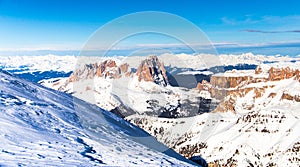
point(152, 70)
point(229, 87)
point(287, 96)
point(228, 81)
point(277, 74)
point(106, 69)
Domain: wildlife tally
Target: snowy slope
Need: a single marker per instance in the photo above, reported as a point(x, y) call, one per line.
point(42, 127)
point(262, 131)
point(260, 137)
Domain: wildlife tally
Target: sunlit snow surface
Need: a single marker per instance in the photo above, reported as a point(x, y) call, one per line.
point(42, 127)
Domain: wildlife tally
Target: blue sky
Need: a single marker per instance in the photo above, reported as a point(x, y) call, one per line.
point(67, 25)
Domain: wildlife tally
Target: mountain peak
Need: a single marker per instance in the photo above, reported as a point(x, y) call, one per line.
point(152, 69)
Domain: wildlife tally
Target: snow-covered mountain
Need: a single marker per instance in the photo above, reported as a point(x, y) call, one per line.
point(257, 122)
point(43, 127)
point(240, 110)
point(117, 87)
point(246, 106)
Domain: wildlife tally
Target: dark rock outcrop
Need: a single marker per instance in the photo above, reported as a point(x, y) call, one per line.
point(152, 69)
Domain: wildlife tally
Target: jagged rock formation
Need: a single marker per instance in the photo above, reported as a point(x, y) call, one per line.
point(106, 69)
point(152, 70)
point(102, 73)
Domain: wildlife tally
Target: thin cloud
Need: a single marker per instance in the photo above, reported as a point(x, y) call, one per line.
point(246, 20)
point(271, 32)
point(262, 45)
point(270, 20)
